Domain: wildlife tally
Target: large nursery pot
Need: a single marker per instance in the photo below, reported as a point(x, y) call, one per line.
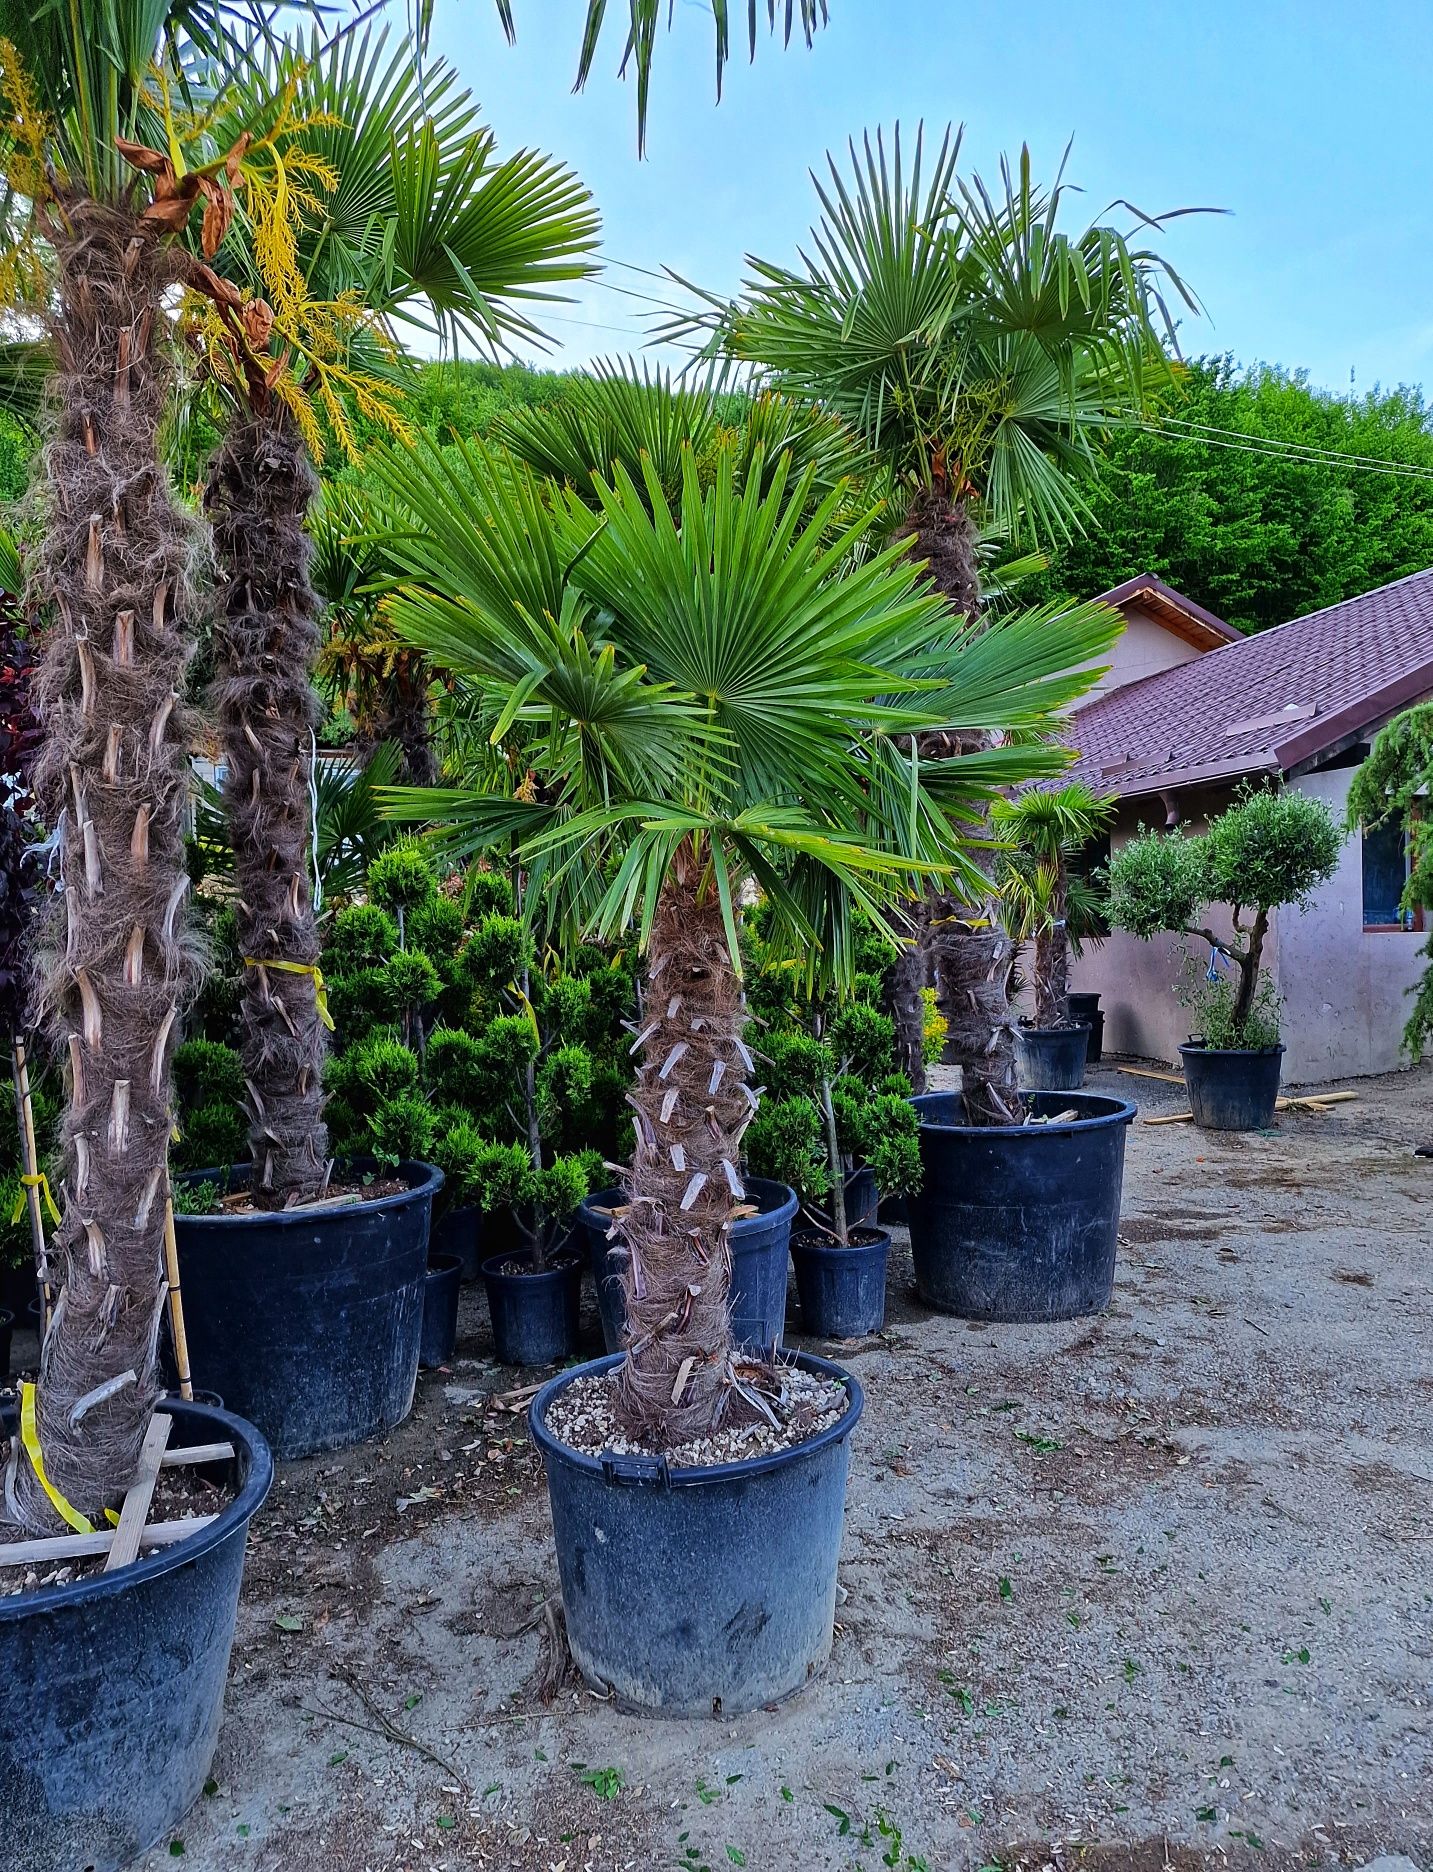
point(1232, 1088)
point(308, 1321)
point(112, 1688)
point(1018, 1222)
point(461, 1232)
point(534, 1315)
point(759, 1254)
point(1086, 1008)
point(698, 1592)
point(1052, 1059)
point(842, 1290)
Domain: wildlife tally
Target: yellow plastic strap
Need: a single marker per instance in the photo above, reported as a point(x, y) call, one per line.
point(40, 1182)
point(320, 993)
point(30, 1437)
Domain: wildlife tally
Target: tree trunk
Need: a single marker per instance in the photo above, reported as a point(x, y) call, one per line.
point(901, 992)
point(693, 1101)
point(1249, 973)
point(971, 954)
point(265, 639)
point(1052, 960)
point(113, 779)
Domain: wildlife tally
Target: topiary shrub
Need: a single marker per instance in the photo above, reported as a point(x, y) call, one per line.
point(1270, 848)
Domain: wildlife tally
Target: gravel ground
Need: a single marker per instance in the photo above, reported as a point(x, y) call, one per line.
point(1152, 1590)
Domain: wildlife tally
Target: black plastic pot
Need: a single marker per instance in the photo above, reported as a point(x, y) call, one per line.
point(440, 1310)
point(534, 1315)
point(1051, 1059)
point(308, 1320)
point(7, 1328)
point(1086, 1008)
point(842, 1290)
point(461, 1232)
point(111, 1689)
point(1232, 1088)
point(698, 1592)
point(759, 1253)
point(863, 1199)
point(1018, 1222)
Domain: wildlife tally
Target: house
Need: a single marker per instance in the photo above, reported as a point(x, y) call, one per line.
point(1174, 729)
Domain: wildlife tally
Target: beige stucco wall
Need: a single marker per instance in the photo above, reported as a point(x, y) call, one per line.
point(1145, 648)
point(1344, 988)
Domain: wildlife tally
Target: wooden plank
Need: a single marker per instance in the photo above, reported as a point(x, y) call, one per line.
point(197, 1453)
point(135, 1512)
point(1145, 1072)
point(82, 1546)
point(1312, 1103)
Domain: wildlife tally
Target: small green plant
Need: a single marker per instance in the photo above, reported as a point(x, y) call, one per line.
point(1270, 848)
point(834, 1103)
point(213, 1122)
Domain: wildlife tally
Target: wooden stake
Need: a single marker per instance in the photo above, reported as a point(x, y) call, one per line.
point(135, 1512)
point(25, 1112)
point(176, 1302)
point(1144, 1072)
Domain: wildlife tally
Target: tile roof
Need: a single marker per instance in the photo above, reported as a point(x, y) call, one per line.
point(1267, 703)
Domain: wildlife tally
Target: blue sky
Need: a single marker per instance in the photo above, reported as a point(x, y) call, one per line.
point(1306, 119)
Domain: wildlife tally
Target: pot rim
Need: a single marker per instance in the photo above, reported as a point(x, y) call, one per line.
point(252, 1492)
point(552, 1445)
point(815, 1241)
point(424, 1180)
point(1124, 1112)
point(490, 1270)
point(788, 1205)
point(1209, 1052)
point(1041, 1033)
point(441, 1264)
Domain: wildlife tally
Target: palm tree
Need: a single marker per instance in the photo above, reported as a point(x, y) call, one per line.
point(979, 350)
point(400, 216)
point(88, 250)
point(1042, 897)
point(644, 18)
point(690, 690)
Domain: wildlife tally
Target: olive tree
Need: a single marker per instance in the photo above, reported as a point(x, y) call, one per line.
point(1268, 849)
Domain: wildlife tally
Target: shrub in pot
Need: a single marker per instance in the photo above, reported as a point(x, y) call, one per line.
point(1049, 905)
point(693, 681)
point(837, 1125)
point(1270, 848)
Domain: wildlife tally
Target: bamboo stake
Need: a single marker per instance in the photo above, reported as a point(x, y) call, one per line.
point(176, 1301)
point(25, 1112)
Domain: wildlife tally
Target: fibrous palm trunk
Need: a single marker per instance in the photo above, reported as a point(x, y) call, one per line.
point(905, 1003)
point(693, 1100)
point(971, 955)
point(113, 779)
point(266, 636)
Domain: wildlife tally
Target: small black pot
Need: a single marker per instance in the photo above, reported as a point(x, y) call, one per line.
point(1086, 1008)
point(756, 1300)
point(1051, 1059)
point(308, 1320)
point(461, 1232)
point(534, 1315)
point(112, 1688)
point(842, 1290)
point(863, 1199)
point(698, 1592)
point(17, 1287)
point(7, 1328)
point(1018, 1222)
point(440, 1310)
point(1232, 1088)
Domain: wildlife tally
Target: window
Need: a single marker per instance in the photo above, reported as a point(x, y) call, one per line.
point(1385, 872)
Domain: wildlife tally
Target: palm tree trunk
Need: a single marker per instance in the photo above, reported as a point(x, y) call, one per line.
point(693, 1101)
point(901, 992)
point(967, 945)
point(266, 636)
point(114, 780)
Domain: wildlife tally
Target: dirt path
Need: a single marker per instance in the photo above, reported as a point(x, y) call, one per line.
point(1151, 1589)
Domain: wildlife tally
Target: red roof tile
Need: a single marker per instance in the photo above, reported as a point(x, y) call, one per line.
point(1267, 703)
